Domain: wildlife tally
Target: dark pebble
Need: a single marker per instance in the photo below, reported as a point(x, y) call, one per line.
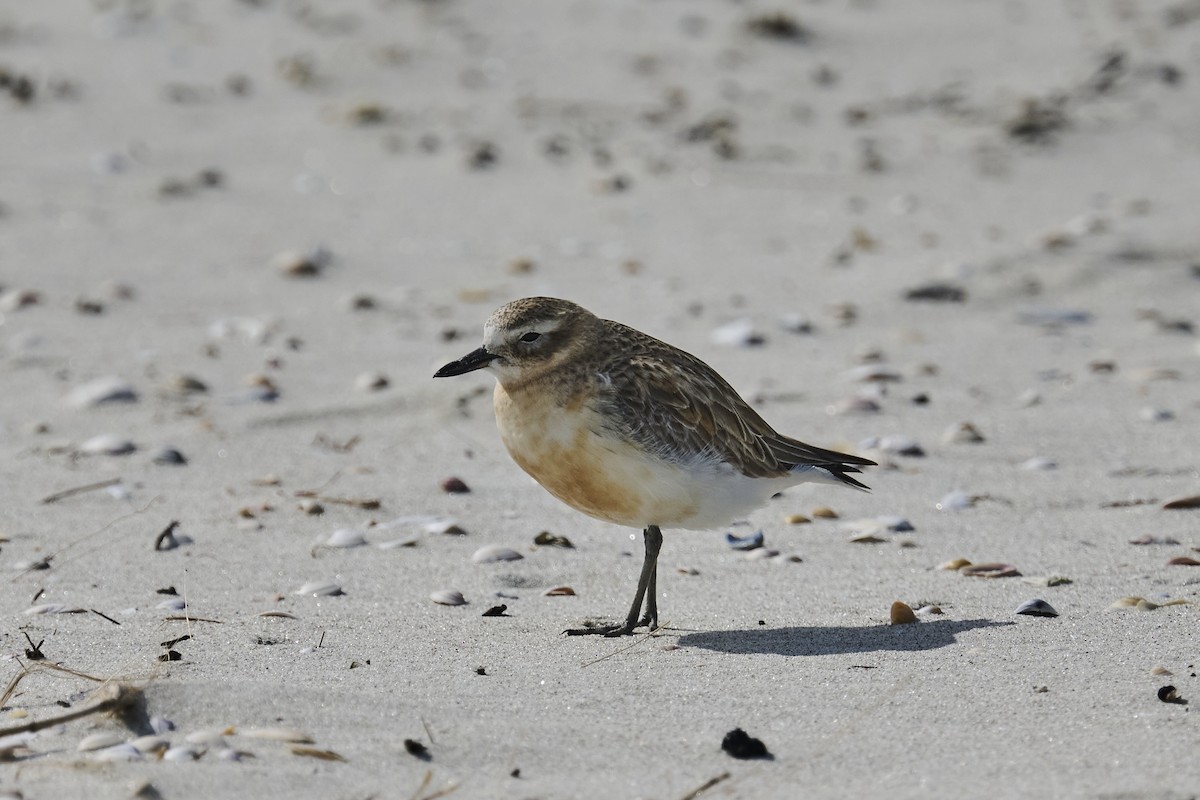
point(740, 744)
point(416, 749)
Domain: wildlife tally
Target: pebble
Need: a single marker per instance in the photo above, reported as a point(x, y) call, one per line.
point(102, 391)
point(742, 745)
point(493, 552)
point(107, 444)
point(1036, 608)
point(448, 597)
point(320, 589)
point(453, 485)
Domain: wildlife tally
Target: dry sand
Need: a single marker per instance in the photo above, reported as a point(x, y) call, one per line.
point(669, 166)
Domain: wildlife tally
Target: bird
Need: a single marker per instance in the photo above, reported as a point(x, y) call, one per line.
point(633, 431)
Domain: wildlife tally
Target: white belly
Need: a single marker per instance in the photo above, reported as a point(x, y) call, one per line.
point(569, 453)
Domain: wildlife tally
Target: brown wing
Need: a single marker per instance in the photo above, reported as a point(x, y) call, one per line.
point(678, 407)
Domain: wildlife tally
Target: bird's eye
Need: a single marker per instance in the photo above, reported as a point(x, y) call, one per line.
point(532, 336)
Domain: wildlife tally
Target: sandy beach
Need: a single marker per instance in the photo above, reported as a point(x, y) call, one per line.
point(237, 239)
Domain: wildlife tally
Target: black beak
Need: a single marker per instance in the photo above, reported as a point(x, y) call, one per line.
point(476, 359)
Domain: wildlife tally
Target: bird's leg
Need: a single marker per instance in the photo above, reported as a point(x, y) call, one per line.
point(646, 590)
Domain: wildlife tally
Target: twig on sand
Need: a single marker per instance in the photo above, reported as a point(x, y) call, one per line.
point(109, 697)
point(450, 787)
point(91, 487)
point(630, 646)
point(704, 787)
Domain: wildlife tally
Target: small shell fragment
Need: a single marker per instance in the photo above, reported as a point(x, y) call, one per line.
point(291, 735)
point(107, 444)
point(151, 743)
point(54, 608)
point(98, 741)
point(346, 537)
point(493, 552)
point(454, 485)
point(954, 564)
point(1039, 463)
point(796, 519)
point(748, 542)
point(823, 512)
point(1183, 561)
point(1169, 694)
point(559, 591)
point(278, 614)
point(320, 589)
point(118, 752)
point(1036, 608)
point(448, 597)
point(314, 752)
point(955, 501)
point(182, 752)
point(990, 570)
point(548, 539)
point(963, 433)
point(102, 391)
point(172, 604)
point(902, 614)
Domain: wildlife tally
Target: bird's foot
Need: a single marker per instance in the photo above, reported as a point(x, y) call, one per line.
point(611, 631)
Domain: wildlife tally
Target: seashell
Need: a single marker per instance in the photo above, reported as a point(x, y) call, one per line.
point(1039, 463)
point(102, 391)
point(211, 737)
point(902, 614)
point(548, 539)
point(494, 552)
point(955, 501)
point(796, 519)
point(411, 541)
point(963, 433)
point(358, 302)
point(290, 735)
point(823, 512)
point(687, 570)
point(55, 608)
point(1047, 580)
point(793, 322)
point(1036, 608)
point(1029, 398)
point(872, 373)
point(1148, 539)
point(955, 564)
point(855, 404)
point(98, 741)
point(894, 444)
point(232, 754)
point(296, 265)
point(991, 570)
point(559, 591)
point(1055, 318)
point(371, 382)
point(1169, 694)
point(152, 743)
point(453, 485)
point(310, 506)
point(160, 724)
point(448, 597)
point(107, 444)
point(16, 299)
point(172, 604)
point(444, 525)
point(278, 614)
point(118, 752)
point(738, 333)
point(1192, 501)
point(760, 553)
point(1154, 414)
point(867, 538)
point(1183, 561)
point(882, 524)
point(320, 589)
point(929, 610)
point(937, 292)
point(170, 457)
point(185, 384)
point(748, 542)
point(313, 752)
point(346, 537)
point(182, 753)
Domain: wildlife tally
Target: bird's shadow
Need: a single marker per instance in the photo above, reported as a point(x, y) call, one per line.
point(837, 639)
